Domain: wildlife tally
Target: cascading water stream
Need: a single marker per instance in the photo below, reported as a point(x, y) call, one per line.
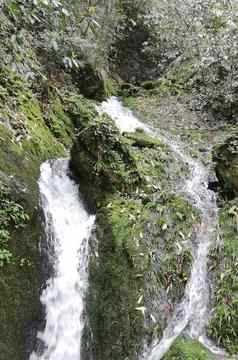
point(67, 227)
point(192, 313)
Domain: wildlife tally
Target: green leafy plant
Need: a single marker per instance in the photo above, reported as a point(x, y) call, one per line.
point(12, 216)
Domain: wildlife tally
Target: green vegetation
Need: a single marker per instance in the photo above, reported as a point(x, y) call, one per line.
point(185, 349)
point(223, 325)
point(122, 267)
point(174, 225)
point(11, 215)
point(102, 160)
point(129, 180)
point(116, 279)
point(26, 141)
point(166, 57)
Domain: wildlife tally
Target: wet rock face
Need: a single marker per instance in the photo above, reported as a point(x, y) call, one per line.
point(26, 141)
point(226, 159)
point(20, 278)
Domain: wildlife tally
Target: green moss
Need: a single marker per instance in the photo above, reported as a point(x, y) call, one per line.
point(60, 123)
point(115, 280)
point(102, 160)
point(142, 140)
point(223, 326)
point(11, 83)
point(81, 110)
point(111, 87)
point(130, 178)
point(128, 219)
point(23, 148)
point(20, 283)
point(173, 224)
point(156, 164)
point(184, 349)
point(42, 142)
point(176, 81)
point(19, 279)
point(129, 233)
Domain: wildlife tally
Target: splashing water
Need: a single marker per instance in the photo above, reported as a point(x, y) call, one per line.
point(68, 227)
point(192, 313)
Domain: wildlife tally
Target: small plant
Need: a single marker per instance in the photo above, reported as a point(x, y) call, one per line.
point(12, 215)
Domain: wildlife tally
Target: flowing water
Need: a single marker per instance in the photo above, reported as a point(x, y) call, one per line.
point(67, 227)
point(192, 313)
point(123, 117)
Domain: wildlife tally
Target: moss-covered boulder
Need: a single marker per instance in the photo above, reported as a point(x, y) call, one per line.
point(139, 262)
point(102, 160)
point(137, 273)
point(226, 158)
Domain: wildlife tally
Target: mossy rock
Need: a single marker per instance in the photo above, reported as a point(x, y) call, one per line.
point(82, 111)
point(140, 139)
point(21, 277)
point(139, 255)
point(121, 286)
point(115, 278)
point(91, 83)
point(20, 281)
point(185, 349)
point(226, 159)
point(102, 161)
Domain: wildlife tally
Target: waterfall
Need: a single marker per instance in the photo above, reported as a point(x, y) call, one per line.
point(192, 313)
point(123, 117)
point(67, 229)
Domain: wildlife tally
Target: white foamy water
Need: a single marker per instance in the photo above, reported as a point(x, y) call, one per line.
point(67, 228)
point(123, 117)
point(192, 313)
